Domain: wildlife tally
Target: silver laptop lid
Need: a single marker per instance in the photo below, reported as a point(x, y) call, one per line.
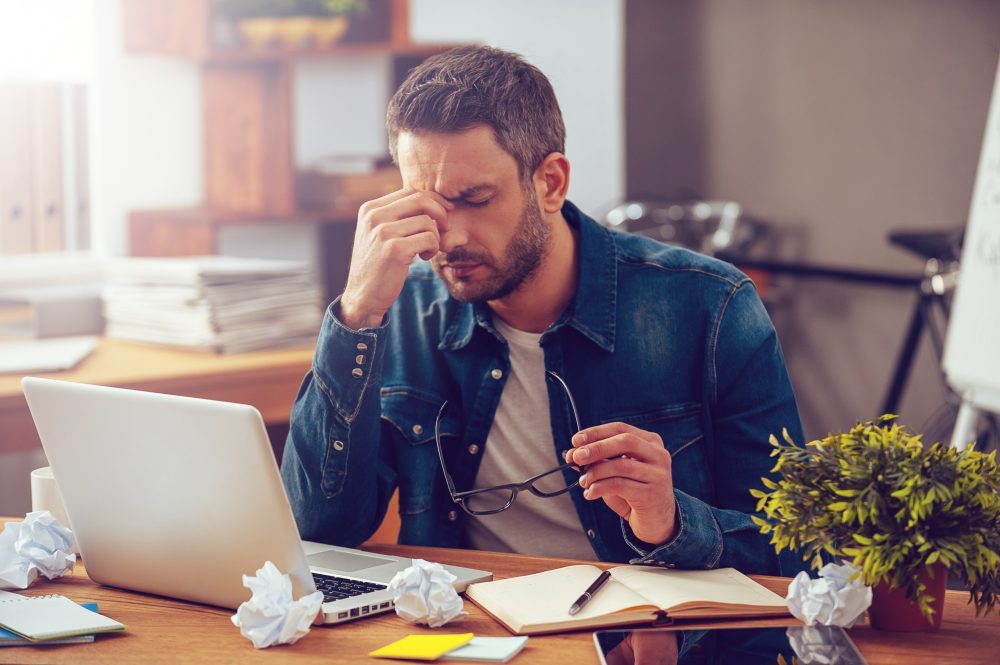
point(168, 495)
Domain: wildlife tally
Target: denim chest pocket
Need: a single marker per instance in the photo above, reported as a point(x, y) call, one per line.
point(412, 414)
point(679, 427)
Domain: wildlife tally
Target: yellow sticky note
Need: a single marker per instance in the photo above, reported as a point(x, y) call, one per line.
point(423, 647)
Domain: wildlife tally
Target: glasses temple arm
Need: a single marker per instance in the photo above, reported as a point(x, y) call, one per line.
point(440, 450)
point(569, 396)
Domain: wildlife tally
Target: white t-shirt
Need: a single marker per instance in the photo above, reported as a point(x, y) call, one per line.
point(518, 447)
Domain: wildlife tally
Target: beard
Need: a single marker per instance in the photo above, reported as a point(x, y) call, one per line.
point(519, 262)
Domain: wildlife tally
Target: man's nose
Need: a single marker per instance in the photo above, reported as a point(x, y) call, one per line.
point(456, 235)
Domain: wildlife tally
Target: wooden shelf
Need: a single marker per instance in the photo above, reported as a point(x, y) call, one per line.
point(276, 54)
point(192, 28)
point(194, 231)
point(248, 117)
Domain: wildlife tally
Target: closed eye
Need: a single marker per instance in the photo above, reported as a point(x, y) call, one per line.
point(478, 204)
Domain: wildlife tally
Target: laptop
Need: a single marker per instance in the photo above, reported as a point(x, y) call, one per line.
point(181, 497)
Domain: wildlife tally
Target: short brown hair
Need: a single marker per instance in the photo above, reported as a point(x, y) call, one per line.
point(473, 85)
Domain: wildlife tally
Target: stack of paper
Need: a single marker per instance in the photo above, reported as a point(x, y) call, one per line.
point(216, 303)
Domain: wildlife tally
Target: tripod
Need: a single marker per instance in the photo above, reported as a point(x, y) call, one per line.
point(941, 251)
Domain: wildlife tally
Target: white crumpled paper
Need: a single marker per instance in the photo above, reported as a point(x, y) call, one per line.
point(424, 594)
point(38, 545)
point(832, 600)
point(271, 616)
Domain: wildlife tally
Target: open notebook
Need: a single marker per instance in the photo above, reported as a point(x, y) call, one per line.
point(635, 594)
point(51, 617)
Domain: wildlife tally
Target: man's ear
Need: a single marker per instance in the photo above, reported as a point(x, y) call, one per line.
point(551, 181)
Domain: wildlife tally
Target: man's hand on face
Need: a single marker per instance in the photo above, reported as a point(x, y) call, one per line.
point(391, 231)
point(630, 469)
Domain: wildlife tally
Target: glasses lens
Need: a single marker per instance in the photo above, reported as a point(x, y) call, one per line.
point(489, 502)
point(553, 483)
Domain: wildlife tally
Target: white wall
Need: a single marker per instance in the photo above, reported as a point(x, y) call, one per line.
point(340, 107)
point(146, 133)
point(578, 45)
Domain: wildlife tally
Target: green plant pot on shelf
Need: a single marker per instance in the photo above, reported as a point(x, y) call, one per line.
point(292, 31)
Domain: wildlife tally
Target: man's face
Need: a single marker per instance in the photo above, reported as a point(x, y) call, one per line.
point(497, 236)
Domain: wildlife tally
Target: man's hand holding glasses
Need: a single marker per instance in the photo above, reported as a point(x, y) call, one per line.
point(627, 467)
point(630, 469)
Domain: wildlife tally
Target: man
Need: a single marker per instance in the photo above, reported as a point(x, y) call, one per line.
point(527, 314)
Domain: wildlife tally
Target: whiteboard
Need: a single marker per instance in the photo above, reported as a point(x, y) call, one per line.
point(972, 347)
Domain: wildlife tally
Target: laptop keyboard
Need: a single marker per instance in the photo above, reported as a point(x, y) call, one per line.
point(338, 588)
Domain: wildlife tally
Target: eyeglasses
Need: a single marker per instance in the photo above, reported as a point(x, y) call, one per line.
point(493, 500)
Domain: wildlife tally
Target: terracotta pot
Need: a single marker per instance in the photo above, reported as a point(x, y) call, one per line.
point(328, 31)
point(259, 32)
point(297, 31)
point(891, 610)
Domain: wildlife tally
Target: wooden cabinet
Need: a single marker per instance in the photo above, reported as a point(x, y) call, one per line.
point(248, 123)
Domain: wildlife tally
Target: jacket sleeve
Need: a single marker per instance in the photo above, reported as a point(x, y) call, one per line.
point(750, 397)
point(337, 472)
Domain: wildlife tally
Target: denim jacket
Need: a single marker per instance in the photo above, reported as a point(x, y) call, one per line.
point(665, 339)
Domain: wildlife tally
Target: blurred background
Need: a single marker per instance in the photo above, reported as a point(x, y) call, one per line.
point(808, 131)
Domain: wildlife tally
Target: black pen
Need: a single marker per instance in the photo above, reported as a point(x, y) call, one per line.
point(589, 593)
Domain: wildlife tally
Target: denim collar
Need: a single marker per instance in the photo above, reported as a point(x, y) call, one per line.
point(592, 312)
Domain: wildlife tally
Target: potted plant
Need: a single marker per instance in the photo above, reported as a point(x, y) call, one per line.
point(292, 23)
point(334, 19)
point(902, 512)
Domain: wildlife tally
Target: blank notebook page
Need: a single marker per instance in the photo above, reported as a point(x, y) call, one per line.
point(48, 617)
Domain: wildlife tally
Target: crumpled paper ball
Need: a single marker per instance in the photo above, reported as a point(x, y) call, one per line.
point(271, 616)
point(834, 599)
point(38, 545)
point(424, 594)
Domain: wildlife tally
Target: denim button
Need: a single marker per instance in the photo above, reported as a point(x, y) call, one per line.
point(452, 516)
point(359, 359)
point(357, 372)
point(418, 429)
point(497, 374)
point(362, 346)
point(591, 534)
point(338, 445)
point(473, 449)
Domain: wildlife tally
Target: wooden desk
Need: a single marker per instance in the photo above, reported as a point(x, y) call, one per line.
point(268, 380)
point(167, 631)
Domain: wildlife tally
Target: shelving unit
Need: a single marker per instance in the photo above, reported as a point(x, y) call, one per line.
point(249, 174)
